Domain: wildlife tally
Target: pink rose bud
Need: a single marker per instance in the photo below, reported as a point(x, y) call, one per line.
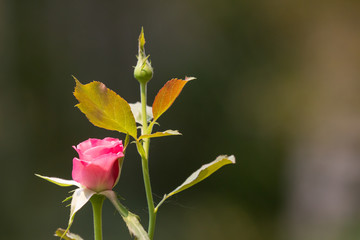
point(98, 166)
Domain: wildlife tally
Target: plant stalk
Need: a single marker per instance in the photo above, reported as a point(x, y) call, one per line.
point(97, 203)
point(145, 163)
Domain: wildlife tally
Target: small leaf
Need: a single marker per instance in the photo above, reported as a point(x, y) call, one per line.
point(131, 220)
point(167, 95)
point(137, 112)
point(160, 134)
point(202, 173)
point(67, 236)
point(60, 182)
point(104, 108)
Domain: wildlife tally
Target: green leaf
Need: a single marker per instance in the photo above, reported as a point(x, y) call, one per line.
point(131, 220)
point(202, 173)
point(60, 182)
point(67, 235)
point(137, 112)
point(160, 134)
point(167, 95)
point(104, 108)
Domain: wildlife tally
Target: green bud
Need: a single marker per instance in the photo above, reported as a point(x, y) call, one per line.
point(143, 71)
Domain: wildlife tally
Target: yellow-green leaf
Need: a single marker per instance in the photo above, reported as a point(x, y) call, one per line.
point(104, 108)
point(160, 134)
point(202, 173)
point(167, 95)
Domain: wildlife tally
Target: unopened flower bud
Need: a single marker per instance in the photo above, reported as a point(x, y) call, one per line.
point(143, 71)
point(99, 164)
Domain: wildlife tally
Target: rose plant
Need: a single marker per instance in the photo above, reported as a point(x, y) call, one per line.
point(97, 169)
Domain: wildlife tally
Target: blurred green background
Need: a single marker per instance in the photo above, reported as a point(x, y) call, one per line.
point(277, 85)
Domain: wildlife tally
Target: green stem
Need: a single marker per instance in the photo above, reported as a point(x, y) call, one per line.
point(145, 163)
point(97, 203)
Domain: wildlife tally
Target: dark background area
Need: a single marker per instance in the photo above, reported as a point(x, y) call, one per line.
point(277, 86)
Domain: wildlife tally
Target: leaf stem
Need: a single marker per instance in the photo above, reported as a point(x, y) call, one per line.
point(160, 203)
point(145, 163)
point(97, 203)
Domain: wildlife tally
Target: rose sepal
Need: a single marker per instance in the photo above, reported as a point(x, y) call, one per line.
point(59, 181)
point(79, 198)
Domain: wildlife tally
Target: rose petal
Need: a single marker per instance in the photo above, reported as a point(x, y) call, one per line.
point(101, 150)
point(97, 177)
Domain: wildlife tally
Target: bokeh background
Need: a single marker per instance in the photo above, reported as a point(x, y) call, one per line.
point(278, 86)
